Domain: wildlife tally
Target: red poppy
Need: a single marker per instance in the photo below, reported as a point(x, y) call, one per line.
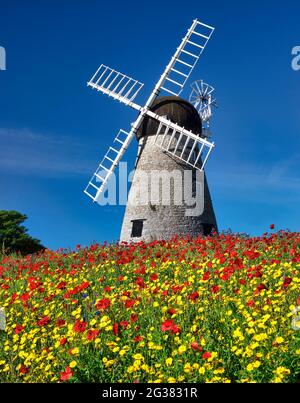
point(196, 347)
point(287, 281)
point(66, 374)
point(25, 297)
point(137, 339)
point(124, 324)
point(257, 274)
point(60, 322)
point(261, 287)
point(167, 325)
point(24, 370)
point(44, 321)
point(133, 317)
point(103, 303)
point(193, 296)
point(140, 270)
point(177, 288)
point(84, 286)
point(272, 226)
point(92, 334)
point(140, 282)
point(19, 328)
point(214, 289)
point(172, 311)
point(154, 277)
point(61, 285)
point(170, 326)
point(115, 329)
point(206, 355)
point(129, 303)
point(79, 326)
point(251, 255)
point(63, 341)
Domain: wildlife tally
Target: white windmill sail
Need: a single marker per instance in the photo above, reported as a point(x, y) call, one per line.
point(183, 144)
point(186, 57)
point(115, 84)
point(108, 164)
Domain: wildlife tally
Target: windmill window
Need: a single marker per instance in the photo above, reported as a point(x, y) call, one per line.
point(137, 228)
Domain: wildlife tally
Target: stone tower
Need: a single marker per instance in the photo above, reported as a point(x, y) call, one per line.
point(154, 218)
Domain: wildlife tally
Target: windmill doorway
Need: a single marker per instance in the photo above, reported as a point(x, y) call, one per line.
point(137, 228)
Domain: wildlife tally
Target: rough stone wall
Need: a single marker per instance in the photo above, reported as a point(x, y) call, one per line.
point(163, 221)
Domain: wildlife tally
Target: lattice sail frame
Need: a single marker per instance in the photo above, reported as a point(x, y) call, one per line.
point(115, 84)
point(183, 144)
point(124, 89)
point(186, 57)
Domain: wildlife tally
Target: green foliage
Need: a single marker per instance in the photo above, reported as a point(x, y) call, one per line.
point(14, 236)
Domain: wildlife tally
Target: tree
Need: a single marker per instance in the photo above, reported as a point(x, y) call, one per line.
point(14, 236)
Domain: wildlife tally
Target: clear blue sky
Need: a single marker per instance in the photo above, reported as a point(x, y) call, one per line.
point(54, 130)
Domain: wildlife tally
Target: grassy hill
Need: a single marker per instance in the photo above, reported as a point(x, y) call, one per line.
point(219, 309)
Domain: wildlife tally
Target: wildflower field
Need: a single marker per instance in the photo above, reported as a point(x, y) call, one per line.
point(218, 309)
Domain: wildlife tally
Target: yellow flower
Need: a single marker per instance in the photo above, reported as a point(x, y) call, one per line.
point(260, 337)
point(73, 364)
point(75, 351)
point(109, 363)
point(201, 370)
point(187, 368)
point(279, 340)
point(219, 371)
point(169, 361)
point(250, 367)
point(181, 349)
point(281, 371)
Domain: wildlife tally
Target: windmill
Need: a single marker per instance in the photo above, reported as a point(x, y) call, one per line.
point(169, 131)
